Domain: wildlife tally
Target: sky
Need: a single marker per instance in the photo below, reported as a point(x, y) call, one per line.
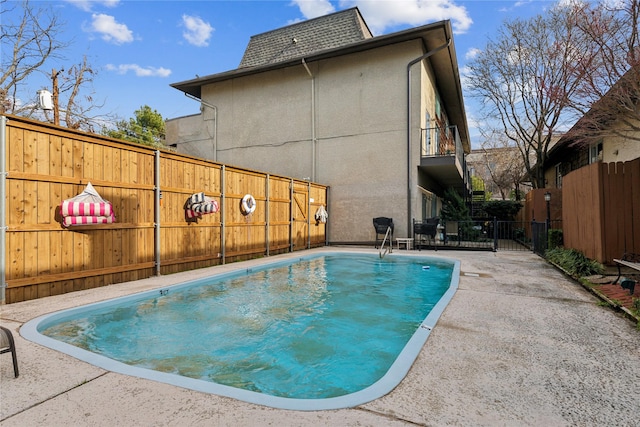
point(139, 48)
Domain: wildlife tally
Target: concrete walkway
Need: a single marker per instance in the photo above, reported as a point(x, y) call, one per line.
point(519, 345)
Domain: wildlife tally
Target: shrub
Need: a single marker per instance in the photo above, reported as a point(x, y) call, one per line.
point(574, 262)
point(504, 210)
point(555, 238)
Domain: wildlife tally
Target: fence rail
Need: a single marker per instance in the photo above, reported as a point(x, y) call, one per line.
point(148, 188)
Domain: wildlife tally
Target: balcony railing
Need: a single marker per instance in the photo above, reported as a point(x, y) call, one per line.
point(444, 141)
point(441, 141)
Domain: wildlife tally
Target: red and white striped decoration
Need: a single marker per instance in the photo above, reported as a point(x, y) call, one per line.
point(80, 220)
point(70, 208)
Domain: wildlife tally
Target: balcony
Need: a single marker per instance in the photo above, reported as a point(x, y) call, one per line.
point(442, 159)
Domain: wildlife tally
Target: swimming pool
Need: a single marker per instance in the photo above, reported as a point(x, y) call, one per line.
point(327, 331)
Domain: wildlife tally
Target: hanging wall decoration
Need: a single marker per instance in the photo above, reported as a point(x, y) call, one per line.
point(197, 205)
point(321, 215)
point(86, 208)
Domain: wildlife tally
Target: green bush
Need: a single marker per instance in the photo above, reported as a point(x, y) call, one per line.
point(574, 262)
point(555, 238)
point(504, 210)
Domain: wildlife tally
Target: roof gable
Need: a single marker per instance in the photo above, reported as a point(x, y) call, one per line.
point(306, 37)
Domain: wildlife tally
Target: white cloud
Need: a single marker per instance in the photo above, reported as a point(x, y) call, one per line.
point(197, 31)
point(464, 77)
point(313, 8)
point(112, 31)
point(381, 15)
point(139, 71)
point(87, 5)
point(472, 53)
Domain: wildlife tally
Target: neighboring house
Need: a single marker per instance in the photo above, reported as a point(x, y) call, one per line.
point(380, 120)
point(608, 133)
point(501, 169)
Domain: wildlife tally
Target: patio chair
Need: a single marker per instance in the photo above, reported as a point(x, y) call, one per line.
point(381, 224)
point(7, 344)
point(451, 230)
point(425, 231)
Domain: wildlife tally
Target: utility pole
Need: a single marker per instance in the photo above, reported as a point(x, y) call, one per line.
point(56, 107)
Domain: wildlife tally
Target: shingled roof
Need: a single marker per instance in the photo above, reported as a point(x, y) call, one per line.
point(306, 37)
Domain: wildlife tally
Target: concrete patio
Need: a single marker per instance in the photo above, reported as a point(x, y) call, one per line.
point(519, 345)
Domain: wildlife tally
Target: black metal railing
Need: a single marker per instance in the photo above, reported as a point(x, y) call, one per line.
point(491, 234)
point(441, 141)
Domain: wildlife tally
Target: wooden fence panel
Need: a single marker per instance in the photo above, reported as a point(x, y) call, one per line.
point(601, 210)
point(318, 230)
point(47, 164)
point(632, 173)
point(187, 244)
point(300, 208)
point(582, 210)
point(279, 214)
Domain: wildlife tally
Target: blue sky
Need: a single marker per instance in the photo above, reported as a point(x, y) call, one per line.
point(140, 47)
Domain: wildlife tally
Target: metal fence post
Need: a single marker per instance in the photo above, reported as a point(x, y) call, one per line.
point(3, 209)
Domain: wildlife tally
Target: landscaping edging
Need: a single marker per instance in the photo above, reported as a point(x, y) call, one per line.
point(591, 288)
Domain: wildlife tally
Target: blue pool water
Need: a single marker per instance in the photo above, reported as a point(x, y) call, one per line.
point(321, 332)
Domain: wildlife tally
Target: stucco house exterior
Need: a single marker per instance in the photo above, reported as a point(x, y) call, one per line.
point(609, 132)
point(379, 119)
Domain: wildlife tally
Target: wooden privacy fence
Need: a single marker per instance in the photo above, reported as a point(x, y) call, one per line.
point(535, 208)
point(45, 164)
point(601, 210)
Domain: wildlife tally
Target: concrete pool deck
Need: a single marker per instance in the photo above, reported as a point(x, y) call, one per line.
point(519, 344)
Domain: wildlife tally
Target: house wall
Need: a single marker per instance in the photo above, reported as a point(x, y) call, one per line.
point(196, 135)
point(620, 148)
point(356, 108)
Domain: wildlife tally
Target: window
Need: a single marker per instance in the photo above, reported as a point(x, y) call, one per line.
point(426, 149)
point(558, 176)
point(429, 205)
point(595, 152)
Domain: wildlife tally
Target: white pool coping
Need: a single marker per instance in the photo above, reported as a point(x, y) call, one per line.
point(387, 383)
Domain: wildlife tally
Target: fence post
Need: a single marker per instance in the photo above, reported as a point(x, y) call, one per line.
point(266, 213)
point(291, 207)
point(223, 208)
point(309, 215)
point(157, 213)
point(3, 211)
point(495, 234)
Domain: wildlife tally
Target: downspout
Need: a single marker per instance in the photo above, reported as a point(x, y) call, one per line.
point(215, 123)
point(3, 209)
point(313, 121)
point(409, 65)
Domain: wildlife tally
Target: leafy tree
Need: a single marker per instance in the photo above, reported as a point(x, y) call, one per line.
point(477, 184)
point(503, 210)
point(453, 207)
point(147, 128)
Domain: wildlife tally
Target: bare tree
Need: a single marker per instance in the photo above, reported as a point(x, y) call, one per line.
point(610, 92)
point(503, 164)
point(26, 44)
point(31, 41)
point(526, 79)
point(73, 96)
